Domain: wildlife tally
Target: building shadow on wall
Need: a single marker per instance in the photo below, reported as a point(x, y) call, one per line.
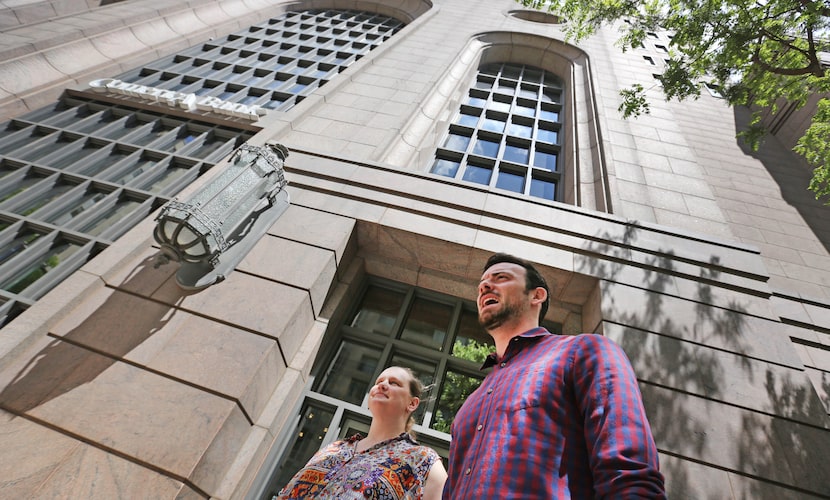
point(792, 174)
point(691, 359)
point(119, 325)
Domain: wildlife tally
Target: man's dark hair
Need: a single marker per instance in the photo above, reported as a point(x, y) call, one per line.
point(533, 279)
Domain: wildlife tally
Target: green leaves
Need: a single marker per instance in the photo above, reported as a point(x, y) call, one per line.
point(758, 53)
point(814, 145)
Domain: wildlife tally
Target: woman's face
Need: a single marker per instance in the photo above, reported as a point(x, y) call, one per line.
point(391, 393)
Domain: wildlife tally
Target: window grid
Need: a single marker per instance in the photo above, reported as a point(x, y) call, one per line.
point(77, 175)
point(274, 64)
point(435, 335)
point(507, 133)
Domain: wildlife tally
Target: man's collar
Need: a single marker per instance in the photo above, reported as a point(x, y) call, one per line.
point(492, 358)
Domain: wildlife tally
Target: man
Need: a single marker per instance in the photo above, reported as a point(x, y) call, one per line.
point(559, 416)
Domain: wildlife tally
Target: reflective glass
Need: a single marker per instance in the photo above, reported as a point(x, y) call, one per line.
point(33, 205)
point(543, 189)
point(545, 160)
point(25, 277)
point(480, 175)
point(18, 244)
point(546, 135)
point(493, 125)
point(427, 323)
point(510, 181)
point(520, 130)
point(311, 429)
point(378, 310)
point(457, 142)
point(467, 120)
point(516, 154)
point(78, 206)
point(352, 371)
point(484, 147)
point(110, 217)
point(454, 391)
point(447, 168)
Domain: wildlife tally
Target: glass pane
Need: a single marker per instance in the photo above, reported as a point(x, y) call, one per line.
point(120, 130)
point(545, 160)
point(311, 429)
point(350, 376)
point(19, 187)
point(47, 148)
point(483, 84)
point(176, 142)
point(474, 173)
point(424, 371)
point(378, 310)
point(457, 142)
point(476, 101)
point(529, 92)
point(19, 244)
point(549, 95)
point(19, 139)
point(208, 146)
point(6, 168)
point(467, 119)
point(92, 125)
point(69, 158)
point(59, 252)
point(516, 154)
point(525, 110)
point(455, 389)
point(472, 342)
point(506, 87)
point(445, 167)
point(427, 323)
point(158, 131)
point(134, 170)
point(550, 136)
point(543, 189)
point(170, 175)
point(109, 218)
point(493, 125)
point(511, 182)
point(520, 130)
point(549, 115)
point(101, 163)
point(76, 207)
point(486, 148)
point(504, 107)
point(56, 191)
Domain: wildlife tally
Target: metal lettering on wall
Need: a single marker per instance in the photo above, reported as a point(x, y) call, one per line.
point(188, 101)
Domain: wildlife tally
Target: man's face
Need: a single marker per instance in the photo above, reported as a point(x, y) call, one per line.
point(502, 294)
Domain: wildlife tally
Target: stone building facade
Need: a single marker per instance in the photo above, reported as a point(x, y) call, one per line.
point(423, 137)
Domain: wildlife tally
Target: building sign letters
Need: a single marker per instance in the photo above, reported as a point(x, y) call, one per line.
point(188, 101)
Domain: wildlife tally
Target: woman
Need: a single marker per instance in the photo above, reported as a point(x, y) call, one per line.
point(387, 463)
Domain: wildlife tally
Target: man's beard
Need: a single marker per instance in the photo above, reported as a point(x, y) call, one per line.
point(499, 317)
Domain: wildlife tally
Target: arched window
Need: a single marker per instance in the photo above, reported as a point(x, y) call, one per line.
point(507, 133)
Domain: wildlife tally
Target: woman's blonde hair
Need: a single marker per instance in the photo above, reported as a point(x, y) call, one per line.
point(416, 390)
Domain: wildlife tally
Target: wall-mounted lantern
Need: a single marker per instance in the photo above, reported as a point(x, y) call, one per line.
point(213, 230)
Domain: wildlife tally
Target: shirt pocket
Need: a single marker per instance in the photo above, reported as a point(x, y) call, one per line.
point(523, 388)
